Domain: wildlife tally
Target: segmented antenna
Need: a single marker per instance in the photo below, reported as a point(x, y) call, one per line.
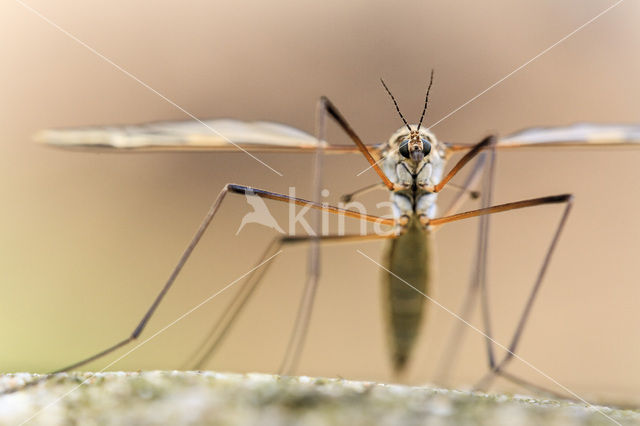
point(396, 104)
point(426, 100)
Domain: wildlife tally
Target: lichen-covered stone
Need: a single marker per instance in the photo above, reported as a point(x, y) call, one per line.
point(197, 398)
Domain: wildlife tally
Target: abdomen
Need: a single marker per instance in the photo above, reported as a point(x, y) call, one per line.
point(407, 257)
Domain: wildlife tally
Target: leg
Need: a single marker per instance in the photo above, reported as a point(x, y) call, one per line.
point(497, 368)
point(187, 253)
point(239, 189)
point(326, 105)
point(466, 188)
point(303, 317)
point(147, 316)
point(454, 344)
point(349, 197)
point(223, 324)
point(487, 142)
point(551, 199)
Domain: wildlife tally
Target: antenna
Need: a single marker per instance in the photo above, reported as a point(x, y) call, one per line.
point(426, 100)
point(396, 104)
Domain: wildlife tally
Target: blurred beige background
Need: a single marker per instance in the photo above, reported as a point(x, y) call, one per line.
point(87, 239)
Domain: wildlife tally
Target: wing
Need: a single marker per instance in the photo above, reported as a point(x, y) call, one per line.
point(576, 135)
point(208, 135)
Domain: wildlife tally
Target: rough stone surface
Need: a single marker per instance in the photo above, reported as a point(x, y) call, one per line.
point(196, 398)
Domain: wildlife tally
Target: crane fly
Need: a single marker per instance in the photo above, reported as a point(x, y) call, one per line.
point(411, 166)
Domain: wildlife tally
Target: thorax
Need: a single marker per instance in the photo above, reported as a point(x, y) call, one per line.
point(413, 179)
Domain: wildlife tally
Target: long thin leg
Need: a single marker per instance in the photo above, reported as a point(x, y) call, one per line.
point(303, 317)
point(239, 189)
point(497, 368)
point(550, 199)
point(174, 274)
point(331, 109)
point(225, 322)
point(187, 253)
point(467, 187)
point(222, 325)
point(483, 252)
point(358, 192)
point(477, 148)
point(192, 245)
point(147, 316)
point(305, 308)
point(454, 344)
point(524, 316)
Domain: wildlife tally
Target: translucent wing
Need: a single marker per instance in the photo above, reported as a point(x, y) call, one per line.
point(576, 135)
point(208, 135)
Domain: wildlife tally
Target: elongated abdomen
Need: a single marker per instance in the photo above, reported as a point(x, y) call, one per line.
point(407, 257)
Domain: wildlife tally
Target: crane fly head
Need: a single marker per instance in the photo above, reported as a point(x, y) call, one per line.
point(413, 143)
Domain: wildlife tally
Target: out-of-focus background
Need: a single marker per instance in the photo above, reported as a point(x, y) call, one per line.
point(86, 240)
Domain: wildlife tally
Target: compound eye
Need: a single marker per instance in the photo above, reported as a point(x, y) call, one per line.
point(426, 147)
point(404, 148)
